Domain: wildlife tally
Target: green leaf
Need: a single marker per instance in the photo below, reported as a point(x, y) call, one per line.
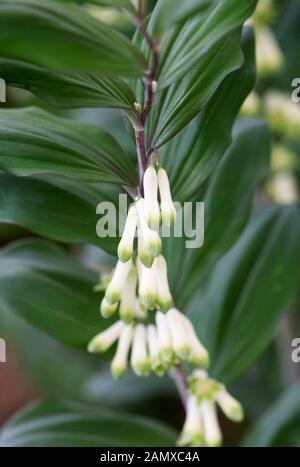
point(180, 103)
point(70, 215)
point(198, 35)
point(68, 90)
point(192, 156)
point(279, 426)
point(35, 142)
point(48, 424)
point(238, 310)
point(43, 285)
point(65, 38)
point(169, 12)
point(126, 4)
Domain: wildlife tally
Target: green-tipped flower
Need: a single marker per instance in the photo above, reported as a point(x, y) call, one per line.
point(106, 339)
point(164, 337)
point(147, 286)
point(198, 355)
point(150, 240)
point(106, 309)
point(140, 360)
point(212, 432)
point(180, 338)
point(192, 433)
point(143, 253)
point(230, 406)
point(157, 364)
point(120, 362)
point(167, 207)
point(125, 248)
point(164, 297)
point(128, 297)
point(202, 386)
point(152, 211)
point(116, 285)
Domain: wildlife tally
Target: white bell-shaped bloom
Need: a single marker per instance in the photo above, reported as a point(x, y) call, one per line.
point(140, 360)
point(167, 207)
point(119, 363)
point(212, 432)
point(143, 253)
point(180, 338)
point(116, 285)
point(103, 341)
point(125, 248)
point(154, 350)
point(128, 297)
point(164, 297)
point(164, 337)
point(106, 309)
point(198, 355)
point(151, 240)
point(192, 432)
point(151, 205)
point(230, 406)
point(147, 285)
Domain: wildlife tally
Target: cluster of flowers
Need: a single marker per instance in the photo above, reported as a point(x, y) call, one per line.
point(201, 427)
point(156, 335)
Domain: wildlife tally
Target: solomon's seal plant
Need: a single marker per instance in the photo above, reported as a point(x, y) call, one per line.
point(167, 79)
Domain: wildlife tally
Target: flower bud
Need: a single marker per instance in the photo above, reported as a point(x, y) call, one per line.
point(164, 297)
point(106, 339)
point(120, 361)
point(128, 297)
point(212, 432)
point(151, 240)
point(180, 338)
point(164, 337)
point(168, 210)
point(140, 361)
point(125, 248)
point(153, 345)
point(106, 309)
point(230, 406)
point(147, 286)
point(198, 355)
point(151, 205)
point(115, 287)
point(192, 432)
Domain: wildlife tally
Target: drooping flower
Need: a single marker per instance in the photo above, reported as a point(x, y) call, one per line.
point(119, 363)
point(192, 433)
point(104, 340)
point(164, 297)
point(212, 432)
point(151, 205)
point(125, 248)
point(140, 360)
point(150, 243)
point(180, 339)
point(164, 337)
point(116, 285)
point(147, 285)
point(168, 210)
point(128, 297)
point(157, 364)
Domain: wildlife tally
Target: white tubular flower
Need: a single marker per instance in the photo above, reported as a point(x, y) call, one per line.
point(199, 355)
point(153, 345)
point(164, 297)
point(143, 253)
point(106, 309)
point(106, 339)
point(230, 406)
point(151, 241)
point(168, 210)
point(115, 287)
point(152, 211)
point(164, 337)
point(125, 248)
point(128, 297)
point(192, 432)
point(140, 312)
point(140, 361)
point(180, 338)
point(120, 362)
point(212, 432)
point(147, 286)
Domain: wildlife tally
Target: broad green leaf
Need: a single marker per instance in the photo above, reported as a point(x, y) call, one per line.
point(169, 12)
point(49, 424)
point(43, 285)
point(181, 102)
point(56, 208)
point(68, 90)
point(35, 142)
point(192, 155)
point(198, 35)
point(127, 4)
point(279, 426)
point(238, 309)
point(65, 38)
